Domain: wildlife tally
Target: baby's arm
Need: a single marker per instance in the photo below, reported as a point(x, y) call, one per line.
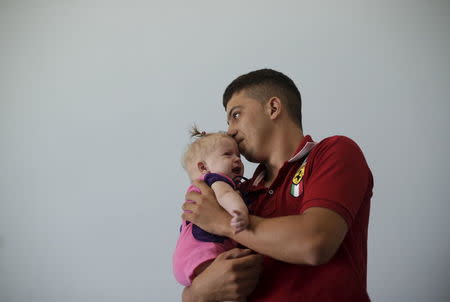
point(233, 203)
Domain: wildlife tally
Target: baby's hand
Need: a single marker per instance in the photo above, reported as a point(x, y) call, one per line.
point(239, 222)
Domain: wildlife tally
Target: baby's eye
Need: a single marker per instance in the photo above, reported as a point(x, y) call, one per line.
point(227, 153)
point(236, 115)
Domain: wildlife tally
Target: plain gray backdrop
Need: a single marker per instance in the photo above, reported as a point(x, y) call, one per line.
point(96, 98)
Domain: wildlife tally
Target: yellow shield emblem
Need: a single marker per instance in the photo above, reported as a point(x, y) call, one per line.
point(299, 175)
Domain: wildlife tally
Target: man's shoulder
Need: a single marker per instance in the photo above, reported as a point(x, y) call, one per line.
point(338, 142)
point(337, 139)
point(337, 147)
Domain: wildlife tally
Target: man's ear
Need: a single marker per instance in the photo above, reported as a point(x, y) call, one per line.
point(273, 107)
point(201, 165)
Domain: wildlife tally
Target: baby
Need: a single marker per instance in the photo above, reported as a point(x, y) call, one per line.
point(218, 153)
point(215, 158)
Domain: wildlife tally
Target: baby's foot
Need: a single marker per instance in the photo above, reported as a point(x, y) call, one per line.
point(239, 222)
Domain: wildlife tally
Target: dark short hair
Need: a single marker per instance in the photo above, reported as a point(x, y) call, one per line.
point(265, 83)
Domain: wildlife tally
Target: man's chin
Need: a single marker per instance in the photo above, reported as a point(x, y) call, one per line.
point(249, 157)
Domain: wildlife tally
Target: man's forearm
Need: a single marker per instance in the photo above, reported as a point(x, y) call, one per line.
point(295, 239)
point(189, 295)
point(269, 237)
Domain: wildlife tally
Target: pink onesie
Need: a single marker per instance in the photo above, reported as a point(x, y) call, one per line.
point(194, 245)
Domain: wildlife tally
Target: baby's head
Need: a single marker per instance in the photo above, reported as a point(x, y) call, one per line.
point(212, 153)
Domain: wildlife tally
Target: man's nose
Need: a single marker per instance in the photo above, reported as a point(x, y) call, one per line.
point(231, 132)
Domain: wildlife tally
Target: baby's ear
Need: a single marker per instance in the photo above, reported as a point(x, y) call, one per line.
point(201, 165)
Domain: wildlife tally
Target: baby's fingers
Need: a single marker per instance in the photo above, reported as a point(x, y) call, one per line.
point(236, 213)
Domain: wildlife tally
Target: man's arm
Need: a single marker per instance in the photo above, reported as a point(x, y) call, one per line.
point(309, 238)
point(231, 276)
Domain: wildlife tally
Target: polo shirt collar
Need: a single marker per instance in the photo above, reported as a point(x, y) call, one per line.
point(305, 146)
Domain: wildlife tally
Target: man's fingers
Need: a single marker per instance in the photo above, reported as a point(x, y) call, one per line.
point(249, 261)
point(188, 210)
point(235, 253)
point(186, 216)
point(192, 196)
point(243, 258)
point(188, 206)
point(195, 196)
point(201, 185)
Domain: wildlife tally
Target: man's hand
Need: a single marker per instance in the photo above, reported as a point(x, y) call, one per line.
point(233, 275)
point(203, 210)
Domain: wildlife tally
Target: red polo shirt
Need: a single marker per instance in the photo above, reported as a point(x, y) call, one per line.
point(335, 176)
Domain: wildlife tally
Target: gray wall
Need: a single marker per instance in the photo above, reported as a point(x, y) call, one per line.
point(96, 99)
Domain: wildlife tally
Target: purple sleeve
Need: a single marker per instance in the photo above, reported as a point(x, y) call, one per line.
point(211, 178)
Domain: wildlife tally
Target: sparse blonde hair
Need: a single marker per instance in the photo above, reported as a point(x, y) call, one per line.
point(197, 150)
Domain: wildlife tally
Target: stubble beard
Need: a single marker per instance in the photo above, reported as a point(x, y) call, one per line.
point(248, 156)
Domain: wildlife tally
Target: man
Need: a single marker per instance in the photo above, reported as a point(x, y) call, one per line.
point(310, 201)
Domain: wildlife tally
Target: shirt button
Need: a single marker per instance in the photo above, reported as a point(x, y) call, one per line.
point(270, 191)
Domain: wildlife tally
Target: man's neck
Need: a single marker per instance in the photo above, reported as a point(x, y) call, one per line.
point(285, 146)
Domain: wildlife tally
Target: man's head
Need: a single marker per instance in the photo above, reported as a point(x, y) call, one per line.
point(262, 85)
point(261, 107)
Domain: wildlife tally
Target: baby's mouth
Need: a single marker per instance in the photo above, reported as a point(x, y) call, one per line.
point(236, 170)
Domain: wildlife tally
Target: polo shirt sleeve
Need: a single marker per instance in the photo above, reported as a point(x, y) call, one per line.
point(339, 178)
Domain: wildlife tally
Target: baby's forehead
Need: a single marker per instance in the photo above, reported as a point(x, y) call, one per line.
point(225, 140)
point(219, 141)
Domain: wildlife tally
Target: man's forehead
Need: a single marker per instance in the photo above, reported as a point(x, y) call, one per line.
point(238, 98)
point(232, 103)
point(233, 108)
